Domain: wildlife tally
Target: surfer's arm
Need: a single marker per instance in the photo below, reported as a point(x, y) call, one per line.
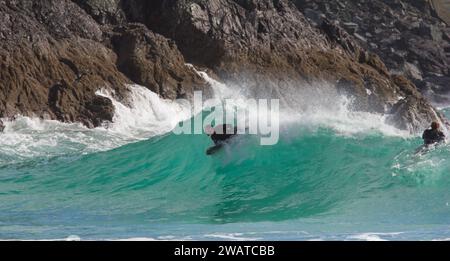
point(424, 135)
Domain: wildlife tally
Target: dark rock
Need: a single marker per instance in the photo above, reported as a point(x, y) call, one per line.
point(352, 28)
point(103, 11)
point(72, 104)
point(57, 56)
point(433, 88)
point(429, 32)
point(153, 61)
point(314, 16)
point(338, 35)
point(269, 46)
point(441, 9)
point(412, 72)
point(413, 111)
point(52, 63)
point(400, 32)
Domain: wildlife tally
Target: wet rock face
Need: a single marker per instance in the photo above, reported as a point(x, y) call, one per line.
point(442, 8)
point(64, 102)
point(55, 56)
point(52, 63)
point(39, 19)
point(412, 110)
point(409, 36)
point(210, 32)
point(59, 54)
point(269, 46)
point(103, 11)
point(154, 61)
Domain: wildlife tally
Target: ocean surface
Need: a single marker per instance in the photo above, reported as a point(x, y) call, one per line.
point(334, 175)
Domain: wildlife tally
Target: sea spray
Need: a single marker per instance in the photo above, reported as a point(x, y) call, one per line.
point(164, 187)
point(251, 116)
point(316, 105)
point(314, 180)
point(150, 115)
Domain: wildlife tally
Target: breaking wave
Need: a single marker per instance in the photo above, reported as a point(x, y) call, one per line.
point(335, 174)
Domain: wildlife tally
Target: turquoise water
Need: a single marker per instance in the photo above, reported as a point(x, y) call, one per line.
point(315, 184)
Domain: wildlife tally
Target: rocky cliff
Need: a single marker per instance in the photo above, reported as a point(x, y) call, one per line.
point(57, 54)
point(54, 56)
point(412, 37)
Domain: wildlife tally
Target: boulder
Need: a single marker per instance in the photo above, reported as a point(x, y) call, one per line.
point(52, 63)
point(153, 61)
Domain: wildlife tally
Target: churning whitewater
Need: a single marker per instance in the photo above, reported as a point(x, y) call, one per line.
point(335, 170)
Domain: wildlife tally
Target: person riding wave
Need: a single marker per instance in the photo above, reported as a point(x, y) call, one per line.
point(433, 135)
point(221, 133)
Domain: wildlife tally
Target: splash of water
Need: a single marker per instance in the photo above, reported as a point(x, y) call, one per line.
point(150, 115)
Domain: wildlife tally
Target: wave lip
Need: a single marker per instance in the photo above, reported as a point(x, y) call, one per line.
point(150, 115)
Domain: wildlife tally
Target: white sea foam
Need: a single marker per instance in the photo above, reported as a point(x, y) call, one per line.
point(232, 236)
point(137, 239)
point(320, 105)
point(441, 239)
point(150, 115)
point(26, 137)
point(316, 105)
point(374, 236)
point(73, 238)
point(339, 116)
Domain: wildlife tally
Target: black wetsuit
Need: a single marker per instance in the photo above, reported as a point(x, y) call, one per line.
point(222, 133)
point(431, 136)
